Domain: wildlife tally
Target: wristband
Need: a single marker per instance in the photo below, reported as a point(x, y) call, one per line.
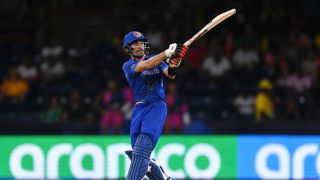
point(172, 71)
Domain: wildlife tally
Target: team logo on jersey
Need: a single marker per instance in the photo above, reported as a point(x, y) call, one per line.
point(151, 72)
point(136, 34)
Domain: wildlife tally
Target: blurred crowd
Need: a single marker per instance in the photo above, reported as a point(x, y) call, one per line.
point(255, 68)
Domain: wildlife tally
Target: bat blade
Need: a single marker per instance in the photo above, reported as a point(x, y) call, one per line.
point(214, 22)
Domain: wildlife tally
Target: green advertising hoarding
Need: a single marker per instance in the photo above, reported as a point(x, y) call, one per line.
point(98, 157)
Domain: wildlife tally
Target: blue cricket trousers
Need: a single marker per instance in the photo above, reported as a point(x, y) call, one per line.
point(148, 118)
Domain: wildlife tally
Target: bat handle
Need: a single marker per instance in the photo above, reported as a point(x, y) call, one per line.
point(190, 41)
point(187, 43)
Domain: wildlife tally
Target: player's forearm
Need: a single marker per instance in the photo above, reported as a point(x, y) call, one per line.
point(151, 63)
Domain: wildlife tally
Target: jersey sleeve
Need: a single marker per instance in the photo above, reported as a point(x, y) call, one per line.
point(163, 66)
point(129, 70)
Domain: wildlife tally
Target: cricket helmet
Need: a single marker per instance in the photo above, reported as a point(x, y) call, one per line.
point(132, 37)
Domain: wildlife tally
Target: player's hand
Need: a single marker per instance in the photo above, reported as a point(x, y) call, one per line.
point(176, 50)
point(179, 52)
point(169, 52)
point(176, 58)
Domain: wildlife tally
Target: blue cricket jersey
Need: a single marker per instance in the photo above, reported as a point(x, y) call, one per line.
point(147, 85)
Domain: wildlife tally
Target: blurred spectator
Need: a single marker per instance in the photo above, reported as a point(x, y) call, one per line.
point(246, 57)
point(263, 102)
point(52, 50)
point(298, 85)
point(178, 115)
point(245, 64)
point(244, 104)
point(28, 70)
point(128, 102)
point(216, 64)
point(14, 86)
point(127, 107)
point(52, 69)
point(78, 118)
point(108, 104)
point(299, 82)
point(52, 113)
point(269, 64)
point(74, 111)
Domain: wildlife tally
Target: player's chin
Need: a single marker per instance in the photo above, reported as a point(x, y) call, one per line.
point(138, 54)
point(138, 57)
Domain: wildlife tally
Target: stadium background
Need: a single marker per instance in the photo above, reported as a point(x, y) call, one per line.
point(60, 74)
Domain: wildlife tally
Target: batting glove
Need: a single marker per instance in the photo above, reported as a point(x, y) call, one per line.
point(176, 50)
point(169, 52)
point(180, 51)
point(176, 57)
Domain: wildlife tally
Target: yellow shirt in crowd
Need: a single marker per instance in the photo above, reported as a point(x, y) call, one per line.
point(264, 106)
point(14, 88)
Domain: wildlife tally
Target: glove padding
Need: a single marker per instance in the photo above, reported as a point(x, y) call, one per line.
point(180, 51)
point(176, 57)
point(176, 50)
point(169, 52)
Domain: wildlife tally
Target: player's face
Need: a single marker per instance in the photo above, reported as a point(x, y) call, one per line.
point(138, 49)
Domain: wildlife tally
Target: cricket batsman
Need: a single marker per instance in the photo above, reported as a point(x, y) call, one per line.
point(144, 74)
